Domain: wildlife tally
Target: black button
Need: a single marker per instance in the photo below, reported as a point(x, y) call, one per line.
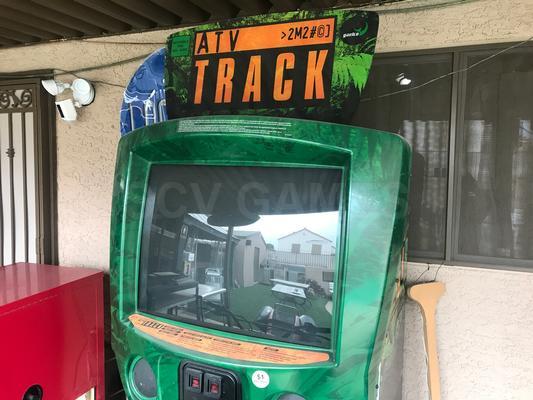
point(212, 386)
point(193, 380)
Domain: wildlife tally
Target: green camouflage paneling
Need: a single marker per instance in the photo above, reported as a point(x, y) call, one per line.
point(368, 307)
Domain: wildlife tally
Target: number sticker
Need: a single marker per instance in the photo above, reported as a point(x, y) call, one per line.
point(260, 379)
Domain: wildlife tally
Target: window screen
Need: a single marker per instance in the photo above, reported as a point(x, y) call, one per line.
point(422, 116)
point(495, 188)
point(217, 249)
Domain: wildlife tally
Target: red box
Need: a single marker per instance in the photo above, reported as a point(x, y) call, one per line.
point(51, 331)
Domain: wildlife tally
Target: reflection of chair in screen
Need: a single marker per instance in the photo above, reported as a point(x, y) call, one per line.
point(212, 301)
point(285, 314)
point(214, 278)
point(283, 320)
point(203, 260)
point(169, 292)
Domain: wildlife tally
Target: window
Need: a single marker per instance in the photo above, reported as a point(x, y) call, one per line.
point(195, 266)
point(479, 211)
point(327, 276)
point(316, 249)
point(295, 248)
point(495, 159)
point(423, 118)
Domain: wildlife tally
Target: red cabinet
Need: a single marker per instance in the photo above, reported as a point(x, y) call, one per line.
point(51, 331)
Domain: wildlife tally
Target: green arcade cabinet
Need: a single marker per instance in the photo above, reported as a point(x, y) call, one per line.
point(254, 255)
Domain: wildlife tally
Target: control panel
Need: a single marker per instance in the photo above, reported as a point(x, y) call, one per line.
point(202, 382)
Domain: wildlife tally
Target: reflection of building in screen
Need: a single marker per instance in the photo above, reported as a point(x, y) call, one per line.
point(271, 274)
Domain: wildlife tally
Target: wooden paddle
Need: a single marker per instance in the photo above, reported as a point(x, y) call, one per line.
point(427, 296)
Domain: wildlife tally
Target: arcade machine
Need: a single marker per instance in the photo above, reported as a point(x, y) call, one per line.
point(257, 252)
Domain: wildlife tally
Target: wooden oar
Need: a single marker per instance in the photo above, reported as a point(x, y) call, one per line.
point(427, 296)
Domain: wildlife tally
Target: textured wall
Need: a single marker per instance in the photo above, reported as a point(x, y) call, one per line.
point(485, 319)
point(485, 325)
point(471, 22)
point(86, 148)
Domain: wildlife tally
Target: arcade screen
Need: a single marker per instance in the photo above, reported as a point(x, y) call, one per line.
point(250, 250)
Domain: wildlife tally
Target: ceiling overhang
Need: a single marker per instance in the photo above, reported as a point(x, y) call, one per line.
point(25, 22)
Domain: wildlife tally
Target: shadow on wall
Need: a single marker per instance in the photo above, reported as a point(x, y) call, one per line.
point(113, 385)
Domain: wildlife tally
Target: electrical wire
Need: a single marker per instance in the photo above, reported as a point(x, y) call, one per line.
point(98, 81)
point(350, 3)
point(88, 41)
point(424, 84)
point(428, 267)
point(76, 72)
point(421, 275)
point(437, 273)
point(101, 66)
point(417, 8)
point(402, 9)
point(447, 75)
point(108, 65)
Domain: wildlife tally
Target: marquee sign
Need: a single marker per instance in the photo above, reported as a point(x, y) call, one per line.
point(307, 64)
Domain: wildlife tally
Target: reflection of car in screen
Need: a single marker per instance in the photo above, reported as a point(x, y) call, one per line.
point(245, 249)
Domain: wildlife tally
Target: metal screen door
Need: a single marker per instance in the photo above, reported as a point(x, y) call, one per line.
point(19, 180)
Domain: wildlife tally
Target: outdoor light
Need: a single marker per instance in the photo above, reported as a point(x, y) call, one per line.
point(403, 80)
point(54, 87)
point(82, 93)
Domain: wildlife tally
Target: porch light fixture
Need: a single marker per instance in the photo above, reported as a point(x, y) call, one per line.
point(82, 90)
point(82, 93)
point(54, 87)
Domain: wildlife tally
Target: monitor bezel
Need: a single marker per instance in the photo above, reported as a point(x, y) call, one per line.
point(237, 333)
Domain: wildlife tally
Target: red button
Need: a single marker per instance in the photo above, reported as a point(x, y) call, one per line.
point(195, 383)
point(213, 388)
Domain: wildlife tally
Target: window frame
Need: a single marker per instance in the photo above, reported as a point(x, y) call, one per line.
point(459, 56)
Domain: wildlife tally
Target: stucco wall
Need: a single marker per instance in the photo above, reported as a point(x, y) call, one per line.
point(485, 326)
point(86, 148)
point(466, 23)
point(485, 319)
